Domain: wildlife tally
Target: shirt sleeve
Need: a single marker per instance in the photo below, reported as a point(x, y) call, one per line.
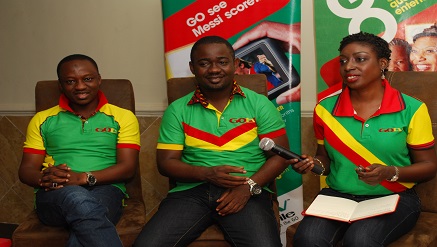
point(318, 125)
point(129, 134)
point(420, 130)
point(171, 132)
point(34, 141)
point(268, 118)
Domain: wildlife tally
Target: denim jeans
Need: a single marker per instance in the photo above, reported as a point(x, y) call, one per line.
point(184, 215)
point(375, 231)
point(90, 213)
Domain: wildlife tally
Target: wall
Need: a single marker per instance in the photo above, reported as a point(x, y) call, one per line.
point(125, 38)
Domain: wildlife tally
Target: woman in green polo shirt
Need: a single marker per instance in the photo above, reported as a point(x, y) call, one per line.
point(373, 141)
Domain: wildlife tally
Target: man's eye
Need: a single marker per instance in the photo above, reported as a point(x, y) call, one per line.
point(224, 63)
point(203, 64)
point(69, 82)
point(87, 79)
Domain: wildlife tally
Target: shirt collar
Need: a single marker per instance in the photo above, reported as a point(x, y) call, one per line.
point(198, 96)
point(392, 101)
point(64, 102)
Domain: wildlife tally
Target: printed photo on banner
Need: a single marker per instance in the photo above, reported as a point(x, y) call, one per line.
point(409, 27)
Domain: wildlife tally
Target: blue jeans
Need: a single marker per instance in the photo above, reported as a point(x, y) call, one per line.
point(90, 213)
point(184, 215)
point(375, 231)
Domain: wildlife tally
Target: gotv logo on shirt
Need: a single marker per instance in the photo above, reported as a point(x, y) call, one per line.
point(391, 130)
point(242, 120)
point(106, 129)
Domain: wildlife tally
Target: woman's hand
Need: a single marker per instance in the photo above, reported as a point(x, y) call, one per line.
point(375, 173)
point(304, 166)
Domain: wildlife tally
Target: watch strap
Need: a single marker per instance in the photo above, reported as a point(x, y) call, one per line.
point(396, 176)
point(251, 182)
point(90, 179)
point(254, 188)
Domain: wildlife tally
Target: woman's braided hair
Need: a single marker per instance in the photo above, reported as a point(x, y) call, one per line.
point(377, 43)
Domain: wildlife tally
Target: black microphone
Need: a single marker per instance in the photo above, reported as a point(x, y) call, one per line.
point(268, 144)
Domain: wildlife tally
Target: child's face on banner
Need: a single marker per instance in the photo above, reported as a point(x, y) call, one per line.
point(399, 60)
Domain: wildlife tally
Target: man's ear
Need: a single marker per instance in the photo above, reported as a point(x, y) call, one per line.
point(100, 79)
point(60, 87)
point(191, 67)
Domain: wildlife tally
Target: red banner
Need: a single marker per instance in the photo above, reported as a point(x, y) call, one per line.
point(215, 17)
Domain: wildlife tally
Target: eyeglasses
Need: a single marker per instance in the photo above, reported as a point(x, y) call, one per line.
point(426, 51)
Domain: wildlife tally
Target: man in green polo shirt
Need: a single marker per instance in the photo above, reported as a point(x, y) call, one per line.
point(209, 144)
point(77, 156)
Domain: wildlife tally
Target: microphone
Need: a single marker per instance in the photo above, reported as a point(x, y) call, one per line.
point(268, 144)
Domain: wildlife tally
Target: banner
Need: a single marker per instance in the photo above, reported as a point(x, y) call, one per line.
point(266, 38)
point(409, 26)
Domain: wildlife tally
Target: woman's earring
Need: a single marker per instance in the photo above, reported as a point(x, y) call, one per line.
point(382, 74)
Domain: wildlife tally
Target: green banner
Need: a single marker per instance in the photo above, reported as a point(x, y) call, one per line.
point(396, 21)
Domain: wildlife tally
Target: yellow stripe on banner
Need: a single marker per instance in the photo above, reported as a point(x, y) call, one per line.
point(231, 145)
point(349, 140)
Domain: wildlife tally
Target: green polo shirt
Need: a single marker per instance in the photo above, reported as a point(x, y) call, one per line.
point(401, 123)
point(64, 138)
point(210, 138)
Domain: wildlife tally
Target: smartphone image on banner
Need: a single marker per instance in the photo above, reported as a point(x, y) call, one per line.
point(266, 56)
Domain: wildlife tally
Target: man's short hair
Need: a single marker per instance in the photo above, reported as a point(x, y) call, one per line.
point(75, 57)
point(211, 40)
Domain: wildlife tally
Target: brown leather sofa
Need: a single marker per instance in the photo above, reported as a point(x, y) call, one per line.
point(32, 232)
point(420, 85)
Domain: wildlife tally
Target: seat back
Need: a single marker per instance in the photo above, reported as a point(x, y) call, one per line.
point(119, 92)
point(178, 87)
point(420, 85)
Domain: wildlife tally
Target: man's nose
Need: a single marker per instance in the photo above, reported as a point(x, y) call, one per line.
point(80, 84)
point(214, 67)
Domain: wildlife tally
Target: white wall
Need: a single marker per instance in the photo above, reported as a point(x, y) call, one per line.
point(124, 37)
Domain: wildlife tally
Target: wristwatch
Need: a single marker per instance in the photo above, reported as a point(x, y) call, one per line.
point(396, 176)
point(254, 188)
point(90, 179)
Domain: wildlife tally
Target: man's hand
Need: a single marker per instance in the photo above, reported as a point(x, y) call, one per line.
point(220, 176)
point(289, 34)
point(291, 95)
point(233, 200)
point(55, 177)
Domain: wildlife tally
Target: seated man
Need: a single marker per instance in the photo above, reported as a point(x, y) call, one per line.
point(77, 156)
point(209, 144)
